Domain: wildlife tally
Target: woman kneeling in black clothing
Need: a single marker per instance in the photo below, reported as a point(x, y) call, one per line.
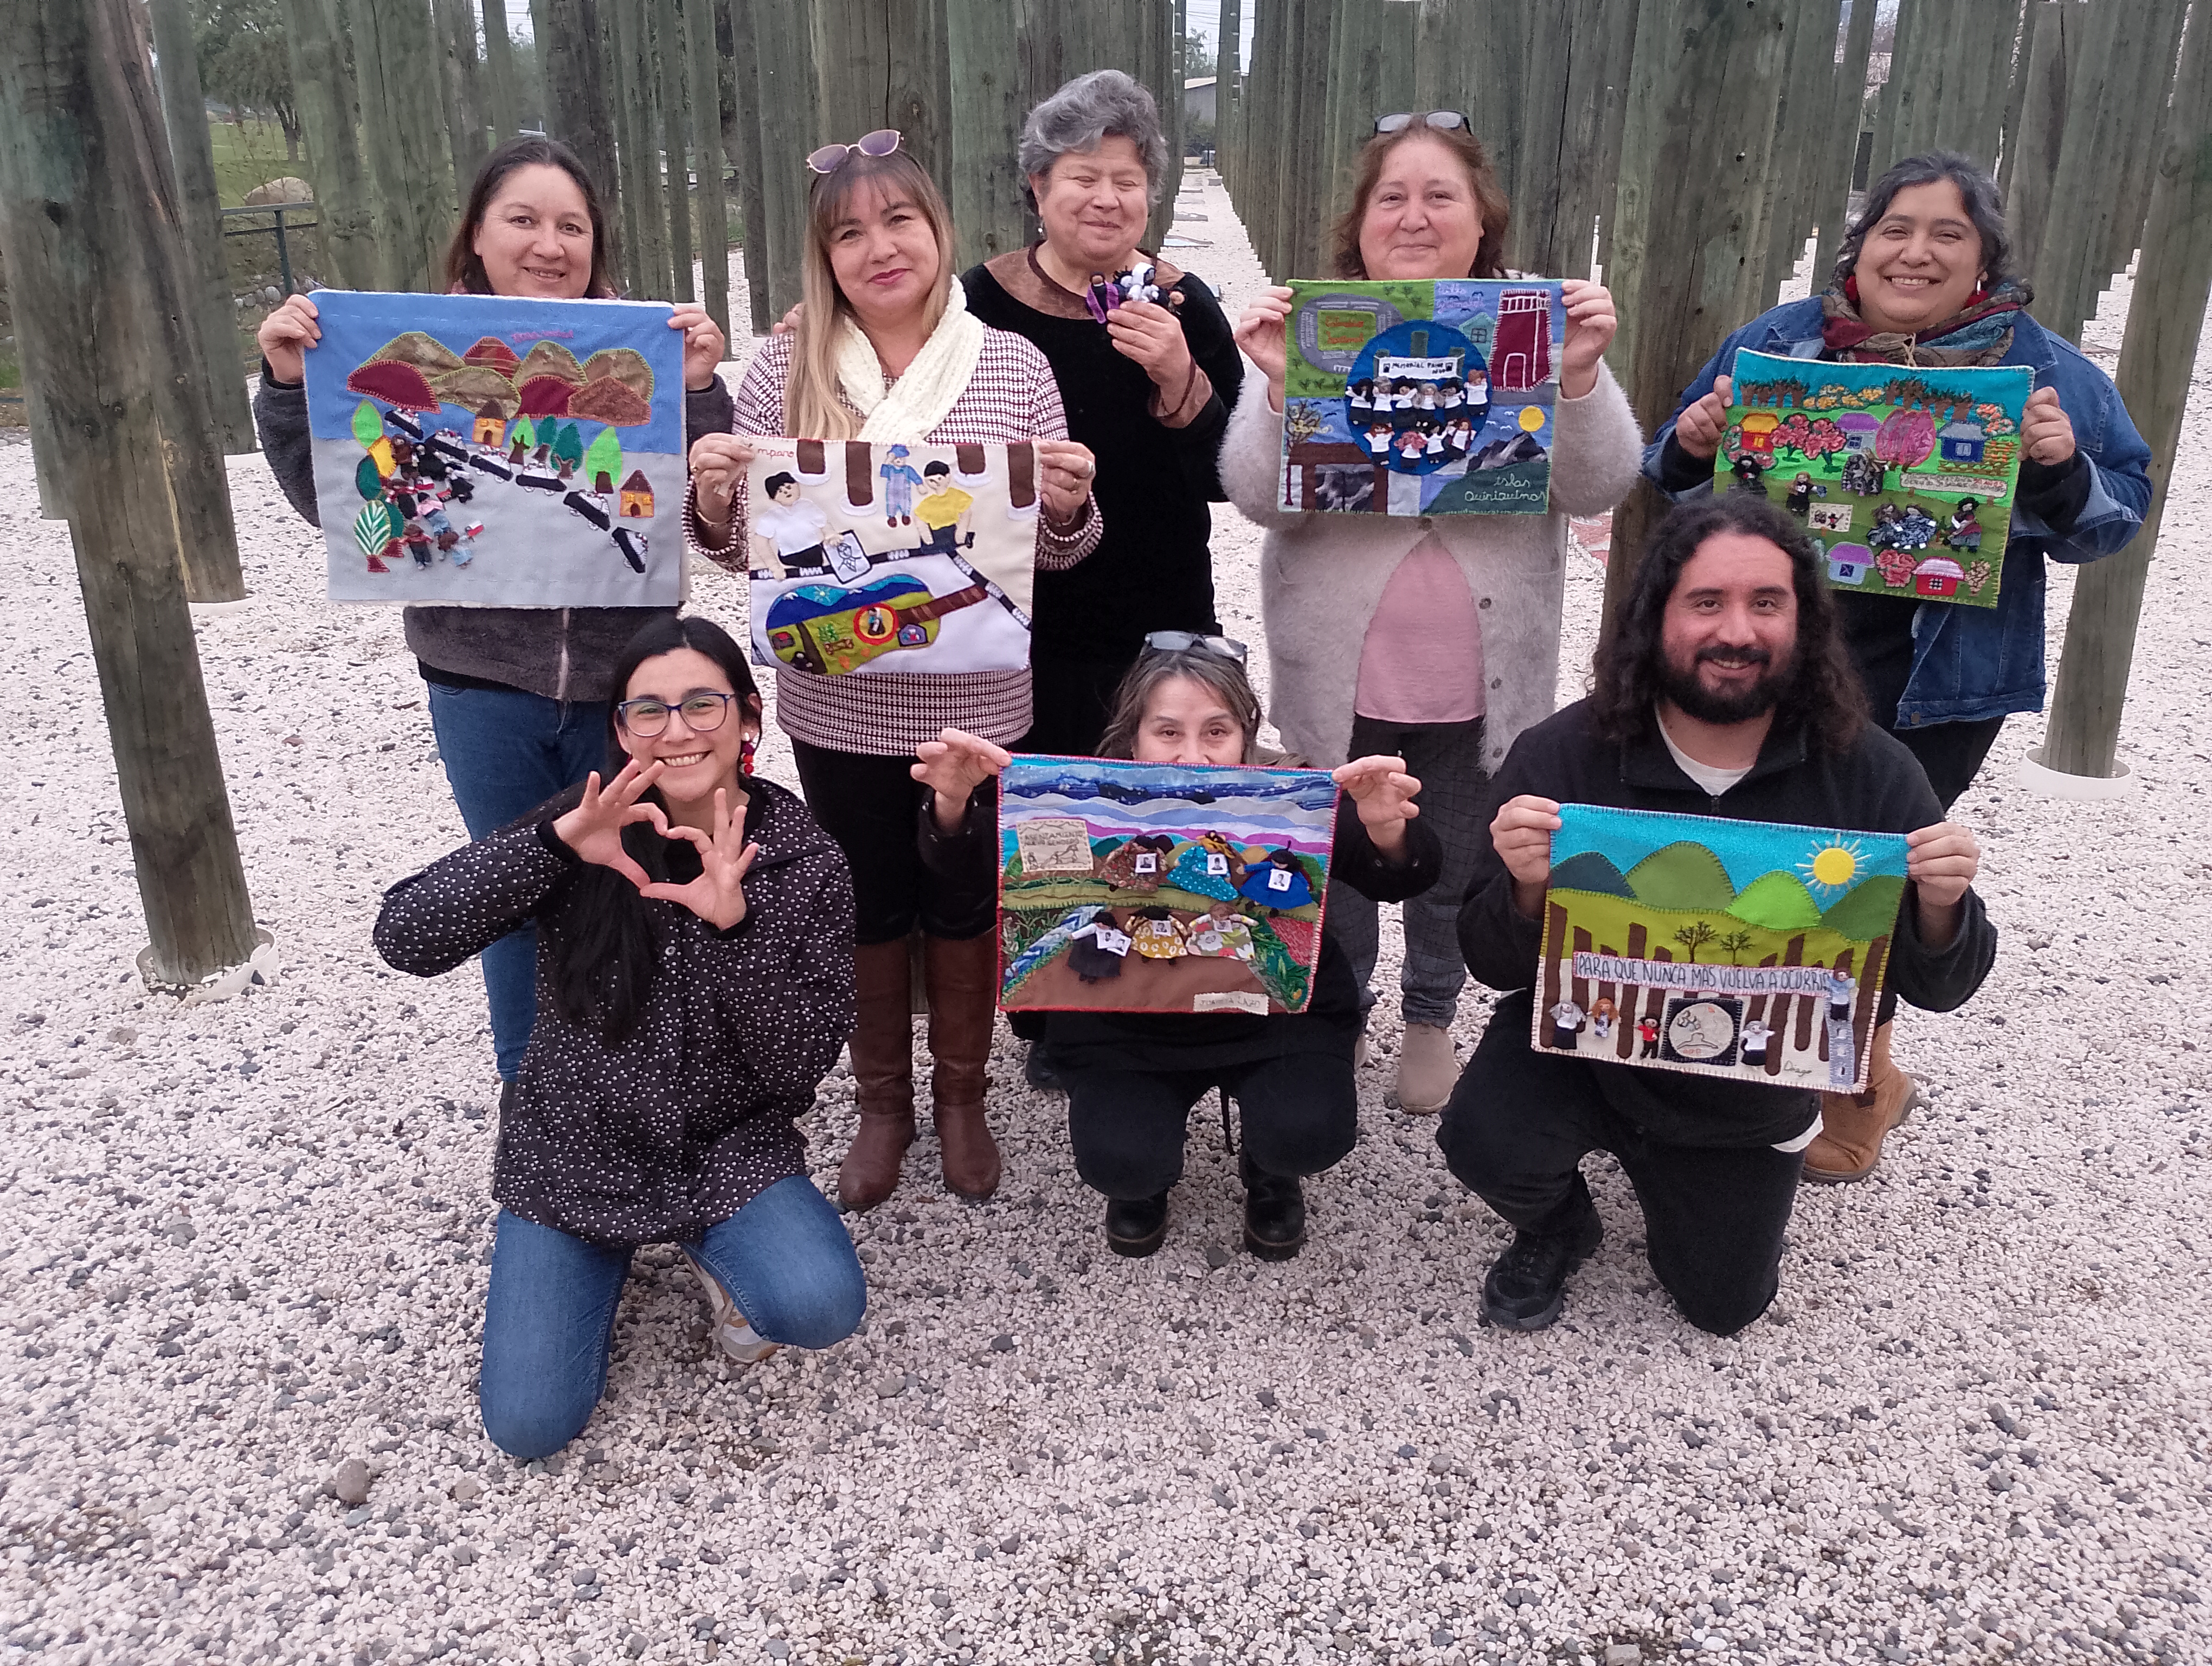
point(695, 983)
point(1133, 1077)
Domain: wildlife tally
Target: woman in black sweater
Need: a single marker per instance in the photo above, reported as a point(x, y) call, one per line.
point(1134, 1076)
point(694, 977)
point(1149, 390)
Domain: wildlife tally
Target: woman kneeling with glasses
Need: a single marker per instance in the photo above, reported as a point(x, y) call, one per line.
point(694, 984)
point(1133, 1077)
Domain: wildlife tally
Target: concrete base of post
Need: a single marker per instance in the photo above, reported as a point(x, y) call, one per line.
point(259, 968)
point(2046, 782)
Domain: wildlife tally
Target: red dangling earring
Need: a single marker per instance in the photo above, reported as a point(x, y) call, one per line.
point(745, 756)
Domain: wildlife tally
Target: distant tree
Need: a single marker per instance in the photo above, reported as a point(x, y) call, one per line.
point(1734, 945)
point(1197, 59)
point(1694, 937)
point(245, 61)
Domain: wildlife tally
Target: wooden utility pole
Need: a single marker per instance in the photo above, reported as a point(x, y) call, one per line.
point(674, 89)
point(323, 82)
point(97, 278)
point(986, 193)
point(213, 323)
point(707, 145)
point(410, 181)
point(461, 90)
point(576, 109)
point(1684, 280)
point(2173, 281)
point(499, 73)
point(741, 143)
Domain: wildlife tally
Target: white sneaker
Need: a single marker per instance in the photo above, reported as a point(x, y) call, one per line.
point(1428, 1070)
point(733, 1332)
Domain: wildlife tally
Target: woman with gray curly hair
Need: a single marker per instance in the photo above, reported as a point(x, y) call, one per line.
point(1148, 370)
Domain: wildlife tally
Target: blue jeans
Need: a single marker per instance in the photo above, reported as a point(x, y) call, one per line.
point(506, 752)
point(785, 1258)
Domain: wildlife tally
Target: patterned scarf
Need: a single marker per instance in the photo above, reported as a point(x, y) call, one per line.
point(1980, 334)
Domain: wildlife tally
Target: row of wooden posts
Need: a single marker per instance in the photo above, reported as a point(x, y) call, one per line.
point(1690, 146)
point(1694, 146)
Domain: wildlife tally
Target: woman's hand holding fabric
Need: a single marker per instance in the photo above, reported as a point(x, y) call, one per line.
point(1384, 794)
point(286, 334)
point(1263, 334)
point(1590, 326)
point(719, 461)
point(953, 766)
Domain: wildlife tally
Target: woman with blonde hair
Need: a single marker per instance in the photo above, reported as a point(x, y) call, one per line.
point(885, 349)
point(1435, 640)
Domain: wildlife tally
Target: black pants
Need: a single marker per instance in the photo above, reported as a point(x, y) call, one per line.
point(1951, 753)
point(1521, 1120)
point(870, 805)
point(1300, 1115)
point(1071, 698)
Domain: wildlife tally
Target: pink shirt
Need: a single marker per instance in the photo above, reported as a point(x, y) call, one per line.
point(1422, 660)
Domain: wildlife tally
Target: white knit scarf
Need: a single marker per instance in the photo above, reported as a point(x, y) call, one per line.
point(911, 411)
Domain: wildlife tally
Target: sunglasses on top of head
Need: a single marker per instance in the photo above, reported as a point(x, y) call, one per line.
point(1449, 120)
point(831, 157)
point(1175, 641)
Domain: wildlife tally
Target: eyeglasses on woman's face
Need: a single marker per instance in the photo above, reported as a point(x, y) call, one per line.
point(1177, 641)
point(831, 157)
point(1449, 120)
point(702, 712)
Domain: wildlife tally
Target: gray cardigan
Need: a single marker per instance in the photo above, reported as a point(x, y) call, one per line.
point(1321, 576)
point(562, 653)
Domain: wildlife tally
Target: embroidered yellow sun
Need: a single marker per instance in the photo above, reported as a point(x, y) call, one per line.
point(1833, 866)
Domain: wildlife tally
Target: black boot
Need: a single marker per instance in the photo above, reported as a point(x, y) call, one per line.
point(1039, 1071)
point(1274, 1212)
point(1136, 1226)
point(1526, 1285)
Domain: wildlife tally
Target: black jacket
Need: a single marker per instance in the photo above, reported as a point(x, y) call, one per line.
point(1876, 786)
point(1204, 1041)
point(694, 1113)
point(562, 653)
point(1153, 570)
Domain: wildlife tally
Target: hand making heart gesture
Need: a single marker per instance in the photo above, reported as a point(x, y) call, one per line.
point(594, 829)
point(717, 895)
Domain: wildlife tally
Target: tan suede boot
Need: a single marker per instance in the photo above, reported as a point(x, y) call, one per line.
point(1428, 1070)
point(964, 986)
point(882, 1050)
point(1854, 1125)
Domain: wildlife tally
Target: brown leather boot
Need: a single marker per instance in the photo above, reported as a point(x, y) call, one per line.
point(1854, 1125)
point(882, 1050)
point(964, 988)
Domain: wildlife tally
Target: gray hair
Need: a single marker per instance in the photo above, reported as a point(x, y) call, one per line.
point(1083, 115)
point(1225, 678)
point(1984, 207)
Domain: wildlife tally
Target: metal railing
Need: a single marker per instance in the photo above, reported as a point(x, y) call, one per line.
point(283, 248)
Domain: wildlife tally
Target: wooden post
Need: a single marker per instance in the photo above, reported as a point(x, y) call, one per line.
point(783, 97)
point(1801, 137)
point(1227, 61)
point(212, 322)
point(323, 82)
point(577, 108)
point(853, 65)
point(462, 90)
point(986, 192)
point(1832, 185)
point(408, 170)
point(741, 141)
point(500, 89)
point(2173, 281)
point(642, 195)
point(97, 279)
point(2057, 28)
point(674, 89)
point(919, 83)
point(707, 145)
point(1684, 281)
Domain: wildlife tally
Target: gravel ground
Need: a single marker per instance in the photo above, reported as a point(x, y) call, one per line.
point(249, 1242)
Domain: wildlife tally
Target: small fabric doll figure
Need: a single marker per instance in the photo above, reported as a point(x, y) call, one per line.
point(1096, 950)
point(1157, 935)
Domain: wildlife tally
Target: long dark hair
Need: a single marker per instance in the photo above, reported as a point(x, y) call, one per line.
point(1823, 694)
point(1482, 179)
point(465, 268)
point(1984, 207)
point(604, 940)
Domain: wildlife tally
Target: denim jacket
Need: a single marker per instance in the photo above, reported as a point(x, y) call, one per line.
point(1972, 663)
